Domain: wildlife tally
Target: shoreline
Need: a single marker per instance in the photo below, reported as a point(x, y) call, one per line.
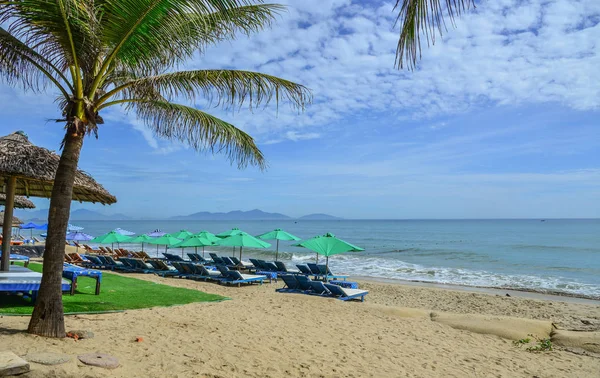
point(522, 293)
point(410, 328)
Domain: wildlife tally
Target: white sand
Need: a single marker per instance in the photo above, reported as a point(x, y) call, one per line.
point(260, 333)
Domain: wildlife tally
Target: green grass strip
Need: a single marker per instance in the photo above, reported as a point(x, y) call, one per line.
point(118, 293)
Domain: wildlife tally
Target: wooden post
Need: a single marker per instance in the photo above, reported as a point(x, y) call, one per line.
point(8, 219)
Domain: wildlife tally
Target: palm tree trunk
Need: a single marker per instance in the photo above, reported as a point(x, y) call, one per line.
point(48, 318)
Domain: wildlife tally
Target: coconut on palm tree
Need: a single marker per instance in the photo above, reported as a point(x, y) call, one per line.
point(98, 54)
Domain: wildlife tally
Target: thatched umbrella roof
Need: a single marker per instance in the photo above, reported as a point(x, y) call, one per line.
point(16, 222)
point(35, 168)
point(20, 202)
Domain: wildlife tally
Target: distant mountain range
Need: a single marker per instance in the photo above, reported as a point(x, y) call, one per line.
point(248, 215)
point(41, 216)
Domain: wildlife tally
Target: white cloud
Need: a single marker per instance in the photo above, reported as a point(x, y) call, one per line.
point(506, 52)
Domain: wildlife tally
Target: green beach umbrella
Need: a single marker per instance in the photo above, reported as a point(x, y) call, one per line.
point(278, 234)
point(182, 234)
point(167, 240)
point(226, 234)
point(243, 239)
point(195, 241)
point(111, 238)
point(208, 235)
point(328, 245)
point(140, 239)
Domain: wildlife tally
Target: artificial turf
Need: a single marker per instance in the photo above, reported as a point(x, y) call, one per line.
point(117, 293)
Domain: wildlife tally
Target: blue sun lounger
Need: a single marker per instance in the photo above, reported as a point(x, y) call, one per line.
point(172, 257)
point(344, 294)
point(71, 272)
point(291, 284)
point(94, 262)
point(137, 265)
point(205, 274)
point(282, 268)
point(194, 257)
point(15, 257)
point(304, 285)
point(23, 280)
point(236, 278)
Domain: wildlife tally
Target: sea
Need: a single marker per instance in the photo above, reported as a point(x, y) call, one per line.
point(552, 256)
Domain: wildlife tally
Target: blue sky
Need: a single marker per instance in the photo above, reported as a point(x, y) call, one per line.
point(500, 120)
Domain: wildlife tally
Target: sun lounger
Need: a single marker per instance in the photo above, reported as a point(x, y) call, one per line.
point(304, 269)
point(291, 284)
point(229, 262)
point(236, 278)
point(205, 272)
point(199, 259)
point(326, 272)
point(269, 266)
point(112, 263)
point(23, 280)
point(37, 240)
point(303, 282)
point(179, 270)
point(94, 262)
point(172, 257)
point(15, 257)
point(318, 288)
point(91, 249)
point(71, 272)
point(346, 294)
point(136, 265)
point(144, 255)
point(244, 264)
point(217, 259)
point(282, 268)
point(161, 268)
point(314, 268)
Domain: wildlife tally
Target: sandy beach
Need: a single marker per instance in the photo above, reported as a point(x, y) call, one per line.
point(261, 333)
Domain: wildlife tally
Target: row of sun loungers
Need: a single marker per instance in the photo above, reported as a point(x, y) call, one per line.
point(304, 285)
point(225, 270)
point(177, 269)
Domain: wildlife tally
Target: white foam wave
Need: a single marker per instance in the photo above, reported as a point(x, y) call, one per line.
point(396, 269)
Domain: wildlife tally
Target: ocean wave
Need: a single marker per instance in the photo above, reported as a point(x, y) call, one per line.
point(396, 269)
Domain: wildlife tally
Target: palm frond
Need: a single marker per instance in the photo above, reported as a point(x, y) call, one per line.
point(148, 36)
point(199, 130)
point(418, 17)
point(226, 87)
point(42, 24)
point(20, 64)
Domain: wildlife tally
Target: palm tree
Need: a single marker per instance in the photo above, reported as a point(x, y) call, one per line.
point(96, 54)
point(418, 17)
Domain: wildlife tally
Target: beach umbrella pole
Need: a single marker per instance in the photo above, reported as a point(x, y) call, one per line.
point(327, 269)
point(202, 252)
point(277, 251)
point(9, 204)
point(317, 258)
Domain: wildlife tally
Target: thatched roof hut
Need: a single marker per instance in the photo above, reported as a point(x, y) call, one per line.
point(16, 222)
point(35, 167)
point(20, 202)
